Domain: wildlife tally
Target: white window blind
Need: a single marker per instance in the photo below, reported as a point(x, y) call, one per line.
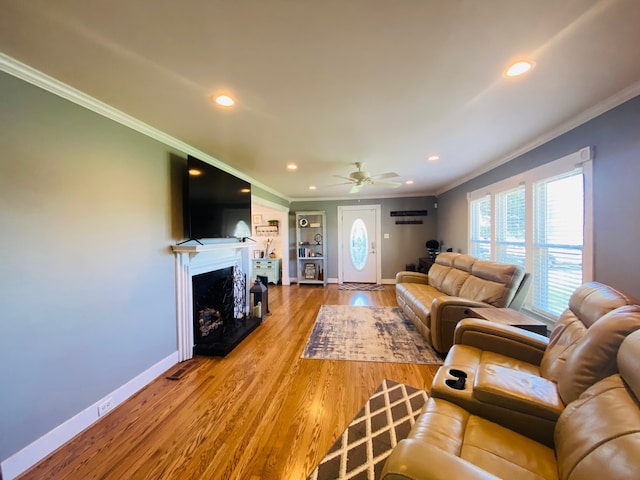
point(510, 226)
point(481, 228)
point(558, 220)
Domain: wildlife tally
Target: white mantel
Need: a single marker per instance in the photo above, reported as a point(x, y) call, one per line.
point(193, 260)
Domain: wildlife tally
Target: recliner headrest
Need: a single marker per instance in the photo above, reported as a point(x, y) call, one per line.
point(592, 300)
point(446, 258)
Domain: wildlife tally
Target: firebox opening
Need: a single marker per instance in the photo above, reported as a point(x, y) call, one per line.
point(219, 320)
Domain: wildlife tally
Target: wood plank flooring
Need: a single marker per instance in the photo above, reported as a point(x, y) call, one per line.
point(260, 413)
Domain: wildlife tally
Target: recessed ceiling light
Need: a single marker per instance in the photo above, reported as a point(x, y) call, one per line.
point(292, 166)
point(195, 172)
point(224, 101)
point(409, 182)
point(312, 187)
point(518, 68)
point(433, 158)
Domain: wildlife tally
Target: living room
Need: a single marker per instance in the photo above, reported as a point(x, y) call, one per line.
point(90, 211)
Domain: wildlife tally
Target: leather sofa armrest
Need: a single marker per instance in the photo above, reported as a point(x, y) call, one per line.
point(446, 311)
point(414, 459)
point(503, 339)
point(518, 391)
point(446, 301)
point(412, 277)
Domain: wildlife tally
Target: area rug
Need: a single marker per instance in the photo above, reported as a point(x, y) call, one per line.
point(369, 287)
point(368, 334)
point(361, 450)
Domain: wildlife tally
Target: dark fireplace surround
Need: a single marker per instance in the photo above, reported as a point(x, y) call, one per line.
point(219, 319)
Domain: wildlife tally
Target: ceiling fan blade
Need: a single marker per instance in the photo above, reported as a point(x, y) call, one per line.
point(343, 178)
point(385, 175)
point(339, 184)
point(386, 184)
point(355, 189)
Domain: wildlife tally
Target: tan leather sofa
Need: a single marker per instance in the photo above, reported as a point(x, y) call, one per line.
point(437, 301)
point(523, 380)
point(596, 437)
point(591, 361)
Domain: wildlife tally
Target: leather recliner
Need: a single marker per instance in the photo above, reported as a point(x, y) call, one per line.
point(523, 380)
point(597, 436)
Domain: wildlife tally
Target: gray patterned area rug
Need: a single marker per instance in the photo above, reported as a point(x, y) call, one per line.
point(369, 287)
point(368, 334)
point(361, 450)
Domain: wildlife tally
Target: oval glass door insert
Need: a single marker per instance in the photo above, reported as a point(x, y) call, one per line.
point(358, 244)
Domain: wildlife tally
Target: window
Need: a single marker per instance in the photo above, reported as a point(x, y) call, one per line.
point(481, 228)
point(542, 221)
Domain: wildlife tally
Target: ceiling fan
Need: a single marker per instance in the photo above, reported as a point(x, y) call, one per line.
point(359, 178)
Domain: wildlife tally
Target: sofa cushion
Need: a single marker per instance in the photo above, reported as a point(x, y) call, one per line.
point(418, 298)
point(437, 274)
point(598, 435)
point(464, 262)
point(453, 281)
point(471, 357)
point(493, 448)
point(594, 356)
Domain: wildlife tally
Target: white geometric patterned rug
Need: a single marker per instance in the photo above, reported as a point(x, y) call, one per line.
point(361, 450)
point(367, 334)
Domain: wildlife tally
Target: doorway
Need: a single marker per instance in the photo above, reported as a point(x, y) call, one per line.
point(359, 244)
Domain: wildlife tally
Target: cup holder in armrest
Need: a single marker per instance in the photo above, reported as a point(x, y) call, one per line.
point(457, 384)
point(458, 373)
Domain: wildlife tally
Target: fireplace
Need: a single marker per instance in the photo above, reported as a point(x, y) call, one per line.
point(219, 320)
point(194, 260)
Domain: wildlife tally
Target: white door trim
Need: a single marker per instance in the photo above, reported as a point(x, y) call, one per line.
point(378, 237)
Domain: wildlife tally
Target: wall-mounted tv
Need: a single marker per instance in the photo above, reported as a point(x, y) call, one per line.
point(217, 204)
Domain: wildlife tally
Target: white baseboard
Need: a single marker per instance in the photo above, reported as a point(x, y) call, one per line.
point(39, 449)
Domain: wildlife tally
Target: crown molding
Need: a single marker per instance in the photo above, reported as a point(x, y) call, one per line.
point(35, 77)
point(615, 100)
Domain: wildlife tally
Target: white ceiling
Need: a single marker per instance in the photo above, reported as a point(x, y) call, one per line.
point(327, 83)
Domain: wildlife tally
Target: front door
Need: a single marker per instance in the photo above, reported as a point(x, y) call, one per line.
point(359, 244)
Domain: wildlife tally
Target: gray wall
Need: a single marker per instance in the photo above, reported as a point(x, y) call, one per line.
point(88, 296)
point(616, 138)
point(406, 243)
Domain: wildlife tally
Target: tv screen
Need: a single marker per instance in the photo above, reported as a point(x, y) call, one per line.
point(217, 203)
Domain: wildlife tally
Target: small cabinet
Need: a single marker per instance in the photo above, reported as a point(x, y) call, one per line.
point(311, 247)
point(267, 267)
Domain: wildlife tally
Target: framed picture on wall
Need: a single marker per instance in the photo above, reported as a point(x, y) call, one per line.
point(257, 219)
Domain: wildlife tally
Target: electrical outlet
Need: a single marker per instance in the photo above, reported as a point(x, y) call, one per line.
point(105, 406)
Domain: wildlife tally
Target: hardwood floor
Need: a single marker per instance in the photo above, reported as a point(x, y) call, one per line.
point(260, 413)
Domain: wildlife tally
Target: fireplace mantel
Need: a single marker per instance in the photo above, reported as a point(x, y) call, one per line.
point(193, 260)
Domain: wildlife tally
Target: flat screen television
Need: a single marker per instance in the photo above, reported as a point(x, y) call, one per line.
point(217, 204)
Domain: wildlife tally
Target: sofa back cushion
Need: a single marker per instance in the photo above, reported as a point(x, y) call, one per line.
point(588, 303)
point(597, 436)
point(453, 281)
point(594, 356)
point(492, 282)
point(441, 267)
